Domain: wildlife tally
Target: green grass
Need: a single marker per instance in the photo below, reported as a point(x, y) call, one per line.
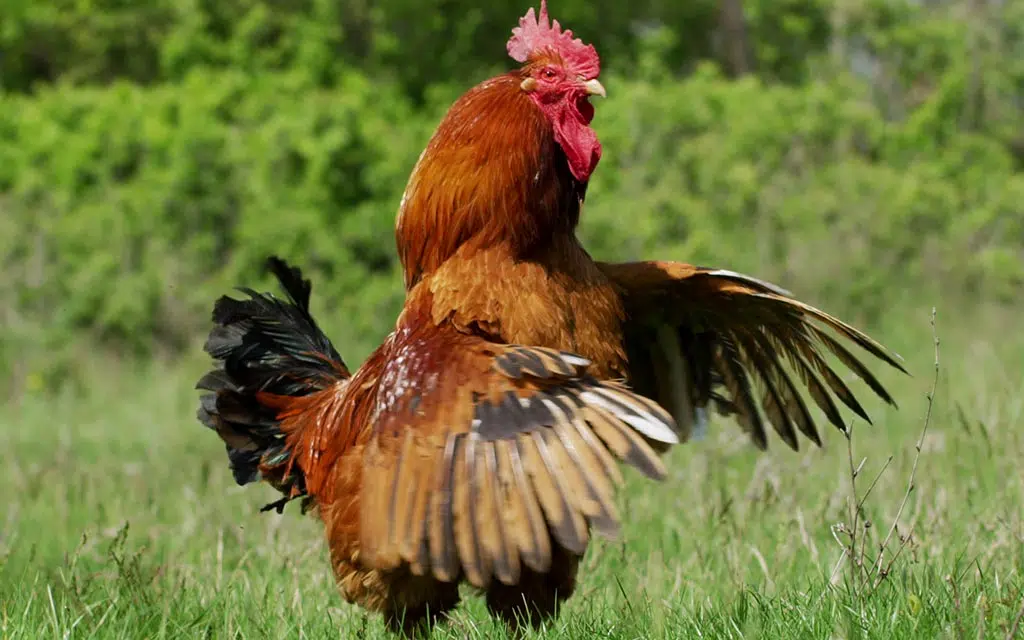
point(120, 519)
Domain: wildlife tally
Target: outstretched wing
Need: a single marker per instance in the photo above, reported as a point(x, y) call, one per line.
point(484, 455)
point(698, 337)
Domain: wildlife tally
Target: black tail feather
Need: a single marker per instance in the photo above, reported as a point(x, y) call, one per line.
point(272, 346)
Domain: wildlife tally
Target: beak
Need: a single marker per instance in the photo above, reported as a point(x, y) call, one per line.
point(595, 88)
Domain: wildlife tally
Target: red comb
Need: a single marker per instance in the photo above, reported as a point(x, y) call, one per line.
point(536, 33)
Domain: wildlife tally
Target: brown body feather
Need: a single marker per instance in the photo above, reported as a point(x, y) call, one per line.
point(449, 456)
point(481, 441)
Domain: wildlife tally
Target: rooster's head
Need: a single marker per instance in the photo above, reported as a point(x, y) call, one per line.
point(560, 74)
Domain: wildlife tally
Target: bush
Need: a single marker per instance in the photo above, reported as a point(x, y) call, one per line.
point(775, 179)
point(144, 176)
point(130, 208)
point(415, 42)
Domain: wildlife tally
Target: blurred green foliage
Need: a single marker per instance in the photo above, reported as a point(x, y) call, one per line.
point(414, 43)
point(152, 154)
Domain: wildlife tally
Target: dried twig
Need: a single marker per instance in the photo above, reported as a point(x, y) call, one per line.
point(855, 560)
point(867, 573)
point(882, 569)
point(871, 487)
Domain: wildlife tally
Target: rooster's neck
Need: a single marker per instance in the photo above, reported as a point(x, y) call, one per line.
point(492, 174)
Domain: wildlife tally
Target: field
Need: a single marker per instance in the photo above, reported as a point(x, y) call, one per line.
point(120, 520)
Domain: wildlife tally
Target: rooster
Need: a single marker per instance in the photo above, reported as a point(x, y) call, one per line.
point(482, 441)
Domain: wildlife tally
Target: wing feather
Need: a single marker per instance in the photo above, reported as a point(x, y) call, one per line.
point(817, 390)
point(462, 512)
point(403, 489)
point(537, 555)
point(413, 546)
point(730, 366)
point(625, 444)
point(441, 534)
point(776, 409)
point(514, 450)
point(791, 396)
point(855, 365)
point(697, 336)
point(485, 511)
point(567, 529)
point(504, 550)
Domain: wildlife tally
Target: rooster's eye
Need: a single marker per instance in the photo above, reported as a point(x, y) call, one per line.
point(549, 74)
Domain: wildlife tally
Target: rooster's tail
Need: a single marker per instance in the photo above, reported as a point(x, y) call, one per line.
point(267, 350)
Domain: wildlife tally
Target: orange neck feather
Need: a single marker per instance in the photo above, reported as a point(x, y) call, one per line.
point(492, 173)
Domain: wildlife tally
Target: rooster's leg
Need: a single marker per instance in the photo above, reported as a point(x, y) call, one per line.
point(537, 596)
point(411, 604)
point(418, 620)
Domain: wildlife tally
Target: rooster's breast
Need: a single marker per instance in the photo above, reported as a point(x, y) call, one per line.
point(560, 302)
